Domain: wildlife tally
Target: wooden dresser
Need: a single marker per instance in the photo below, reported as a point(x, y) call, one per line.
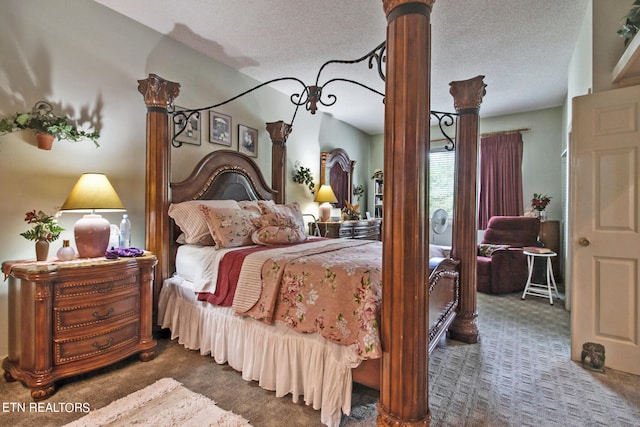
point(67, 318)
point(364, 229)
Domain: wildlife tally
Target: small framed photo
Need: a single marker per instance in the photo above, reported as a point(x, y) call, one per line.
point(219, 128)
point(191, 125)
point(248, 140)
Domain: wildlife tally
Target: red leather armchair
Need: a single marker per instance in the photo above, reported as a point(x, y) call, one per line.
point(504, 269)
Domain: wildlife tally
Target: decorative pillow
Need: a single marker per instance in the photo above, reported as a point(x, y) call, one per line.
point(274, 235)
point(275, 219)
point(250, 205)
point(291, 210)
point(190, 219)
point(486, 250)
point(266, 206)
point(230, 228)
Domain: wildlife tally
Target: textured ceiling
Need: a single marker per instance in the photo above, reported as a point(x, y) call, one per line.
point(523, 47)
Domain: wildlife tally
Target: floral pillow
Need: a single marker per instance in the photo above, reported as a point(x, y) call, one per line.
point(230, 228)
point(487, 250)
point(276, 219)
point(276, 235)
point(251, 205)
point(188, 216)
point(292, 211)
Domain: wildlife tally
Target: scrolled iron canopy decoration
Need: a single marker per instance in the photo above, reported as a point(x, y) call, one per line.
point(312, 95)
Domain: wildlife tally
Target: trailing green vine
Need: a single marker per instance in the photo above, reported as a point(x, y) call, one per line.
point(302, 175)
point(358, 191)
point(630, 23)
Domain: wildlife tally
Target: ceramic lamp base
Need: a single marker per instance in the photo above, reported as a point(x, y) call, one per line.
point(92, 236)
point(325, 212)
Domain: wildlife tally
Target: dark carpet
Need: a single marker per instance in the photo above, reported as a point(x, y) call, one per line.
point(519, 374)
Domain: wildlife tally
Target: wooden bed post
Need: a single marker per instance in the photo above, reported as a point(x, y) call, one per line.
point(467, 97)
point(158, 95)
point(404, 392)
point(279, 131)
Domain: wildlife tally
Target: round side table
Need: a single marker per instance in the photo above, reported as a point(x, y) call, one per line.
point(541, 289)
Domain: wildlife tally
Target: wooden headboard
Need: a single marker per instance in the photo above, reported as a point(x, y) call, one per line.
point(220, 175)
point(223, 174)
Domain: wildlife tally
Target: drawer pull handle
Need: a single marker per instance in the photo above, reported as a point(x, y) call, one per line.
point(103, 346)
point(104, 316)
point(98, 288)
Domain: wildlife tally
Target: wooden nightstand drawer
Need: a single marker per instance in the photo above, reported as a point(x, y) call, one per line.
point(366, 232)
point(78, 316)
point(68, 318)
point(89, 346)
point(363, 229)
point(345, 232)
point(98, 286)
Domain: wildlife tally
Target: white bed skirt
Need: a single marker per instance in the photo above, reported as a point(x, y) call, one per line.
point(278, 358)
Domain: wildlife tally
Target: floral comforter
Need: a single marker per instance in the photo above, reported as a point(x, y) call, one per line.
point(333, 290)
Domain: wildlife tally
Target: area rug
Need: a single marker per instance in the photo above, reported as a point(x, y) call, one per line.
point(164, 403)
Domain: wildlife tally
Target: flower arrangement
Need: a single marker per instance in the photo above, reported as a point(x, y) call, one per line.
point(540, 202)
point(45, 227)
point(350, 212)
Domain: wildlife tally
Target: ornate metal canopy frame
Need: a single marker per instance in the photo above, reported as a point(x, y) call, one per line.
point(312, 95)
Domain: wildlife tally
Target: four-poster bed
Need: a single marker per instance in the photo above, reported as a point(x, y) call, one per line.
point(409, 287)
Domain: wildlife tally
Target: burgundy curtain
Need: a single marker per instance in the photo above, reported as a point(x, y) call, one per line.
point(500, 177)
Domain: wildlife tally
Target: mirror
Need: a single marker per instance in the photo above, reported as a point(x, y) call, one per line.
point(336, 169)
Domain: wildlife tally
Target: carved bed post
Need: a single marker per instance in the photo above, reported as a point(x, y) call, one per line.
point(279, 131)
point(404, 393)
point(158, 94)
point(467, 97)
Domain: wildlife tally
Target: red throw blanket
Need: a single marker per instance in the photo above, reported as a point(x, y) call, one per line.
point(228, 273)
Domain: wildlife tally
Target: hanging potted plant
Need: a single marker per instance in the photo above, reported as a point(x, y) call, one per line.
point(47, 126)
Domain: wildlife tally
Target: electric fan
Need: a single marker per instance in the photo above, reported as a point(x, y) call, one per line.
point(439, 221)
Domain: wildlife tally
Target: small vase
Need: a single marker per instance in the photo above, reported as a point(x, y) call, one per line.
point(66, 252)
point(543, 216)
point(42, 250)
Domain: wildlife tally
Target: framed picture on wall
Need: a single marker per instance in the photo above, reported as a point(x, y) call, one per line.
point(248, 140)
point(219, 128)
point(190, 126)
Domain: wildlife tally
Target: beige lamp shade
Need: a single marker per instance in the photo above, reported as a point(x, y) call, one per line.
point(93, 192)
point(325, 196)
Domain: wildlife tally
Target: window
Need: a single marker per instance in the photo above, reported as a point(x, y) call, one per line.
point(441, 177)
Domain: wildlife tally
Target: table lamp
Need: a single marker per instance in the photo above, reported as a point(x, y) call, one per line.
point(93, 192)
point(325, 196)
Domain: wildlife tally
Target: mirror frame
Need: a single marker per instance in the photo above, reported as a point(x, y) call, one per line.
point(337, 157)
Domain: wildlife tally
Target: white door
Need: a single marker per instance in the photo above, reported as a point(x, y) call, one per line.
point(604, 215)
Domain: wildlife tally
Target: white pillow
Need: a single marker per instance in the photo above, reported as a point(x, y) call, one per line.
point(192, 222)
point(436, 252)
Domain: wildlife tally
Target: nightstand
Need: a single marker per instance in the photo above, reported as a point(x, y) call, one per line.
point(364, 229)
point(71, 317)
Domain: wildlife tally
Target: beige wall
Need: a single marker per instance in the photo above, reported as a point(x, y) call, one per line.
point(87, 59)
